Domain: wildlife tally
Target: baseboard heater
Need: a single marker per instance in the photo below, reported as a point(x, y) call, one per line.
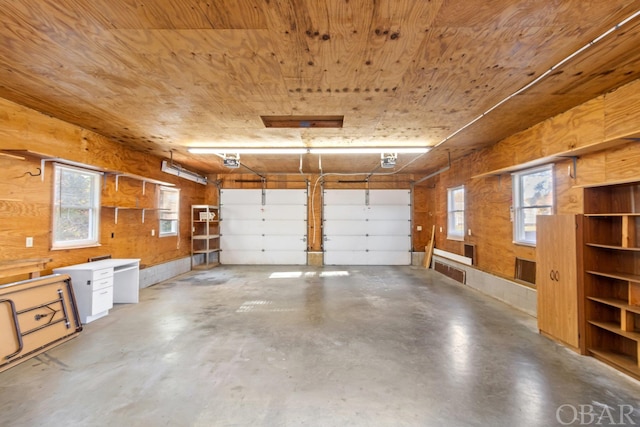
point(450, 271)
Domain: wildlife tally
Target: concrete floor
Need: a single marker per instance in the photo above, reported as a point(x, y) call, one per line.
point(294, 346)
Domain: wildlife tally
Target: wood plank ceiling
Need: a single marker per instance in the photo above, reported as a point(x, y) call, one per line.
point(165, 75)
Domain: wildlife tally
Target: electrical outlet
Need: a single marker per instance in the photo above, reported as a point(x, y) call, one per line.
point(419, 228)
point(153, 232)
point(469, 232)
point(29, 242)
point(441, 229)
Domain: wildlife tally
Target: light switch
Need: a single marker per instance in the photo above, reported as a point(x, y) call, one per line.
point(29, 242)
point(419, 228)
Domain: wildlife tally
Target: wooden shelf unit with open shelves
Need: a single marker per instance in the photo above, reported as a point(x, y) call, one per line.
point(612, 274)
point(205, 235)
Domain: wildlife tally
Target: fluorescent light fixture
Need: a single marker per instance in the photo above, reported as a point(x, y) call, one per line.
point(247, 150)
point(369, 150)
point(177, 170)
point(324, 150)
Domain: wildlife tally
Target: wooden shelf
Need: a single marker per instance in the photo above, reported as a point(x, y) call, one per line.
point(130, 208)
point(618, 303)
point(205, 237)
point(50, 158)
point(206, 251)
point(615, 328)
point(612, 247)
point(620, 361)
point(616, 275)
point(611, 215)
point(564, 155)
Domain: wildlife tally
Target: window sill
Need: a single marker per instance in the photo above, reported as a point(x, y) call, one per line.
point(528, 244)
point(456, 238)
point(64, 248)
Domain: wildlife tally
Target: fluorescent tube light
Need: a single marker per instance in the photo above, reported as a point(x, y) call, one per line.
point(369, 150)
point(246, 150)
point(177, 170)
point(292, 150)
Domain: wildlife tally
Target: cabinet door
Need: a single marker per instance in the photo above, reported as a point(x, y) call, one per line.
point(556, 277)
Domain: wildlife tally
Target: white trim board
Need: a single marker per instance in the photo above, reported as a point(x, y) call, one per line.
point(458, 258)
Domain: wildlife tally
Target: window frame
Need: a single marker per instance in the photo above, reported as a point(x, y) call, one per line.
point(452, 234)
point(93, 228)
point(164, 211)
point(518, 219)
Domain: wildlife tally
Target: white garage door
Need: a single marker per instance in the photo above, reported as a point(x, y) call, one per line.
point(271, 233)
point(361, 233)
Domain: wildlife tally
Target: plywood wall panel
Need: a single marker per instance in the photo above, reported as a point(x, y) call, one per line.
point(569, 198)
point(623, 163)
point(579, 127)
point(25, 200)
point(622, 111)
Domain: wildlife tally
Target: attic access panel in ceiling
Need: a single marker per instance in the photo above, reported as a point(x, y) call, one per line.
point(302, 121)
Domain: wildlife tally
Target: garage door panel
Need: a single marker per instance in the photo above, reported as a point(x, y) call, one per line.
point(344, 197)
point(282, 212)
point(345, 243)
point(285, 197)
point(343, 212)
point(345, 227)
point(390, 243)
point(241, 197)
point(284, 243)
point(241, 227)
point(388, 228)
point(382, 213)
point(240, 212)
point(239, 243)
point(287, 228)
point(390, 197)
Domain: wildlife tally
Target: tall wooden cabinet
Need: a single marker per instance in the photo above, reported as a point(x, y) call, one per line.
point(558, 248)
point(612, 275)
point(205, 235)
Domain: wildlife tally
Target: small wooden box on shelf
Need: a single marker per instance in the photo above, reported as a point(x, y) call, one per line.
point(205, 235)
point(612, 275)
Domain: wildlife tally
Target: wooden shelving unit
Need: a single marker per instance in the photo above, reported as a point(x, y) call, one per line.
point(205, 235)
point(612, 275)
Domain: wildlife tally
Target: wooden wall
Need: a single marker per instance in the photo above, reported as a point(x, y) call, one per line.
point(599, 134)
point(25, 197)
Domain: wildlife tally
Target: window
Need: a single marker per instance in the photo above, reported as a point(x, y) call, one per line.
point(76, 207)
point(532, 196)
point(455, 213)
point(169, 204)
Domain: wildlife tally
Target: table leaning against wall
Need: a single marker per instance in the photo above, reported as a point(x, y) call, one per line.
point(99, 284)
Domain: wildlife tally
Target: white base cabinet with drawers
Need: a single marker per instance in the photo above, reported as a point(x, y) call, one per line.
point(97, 285)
